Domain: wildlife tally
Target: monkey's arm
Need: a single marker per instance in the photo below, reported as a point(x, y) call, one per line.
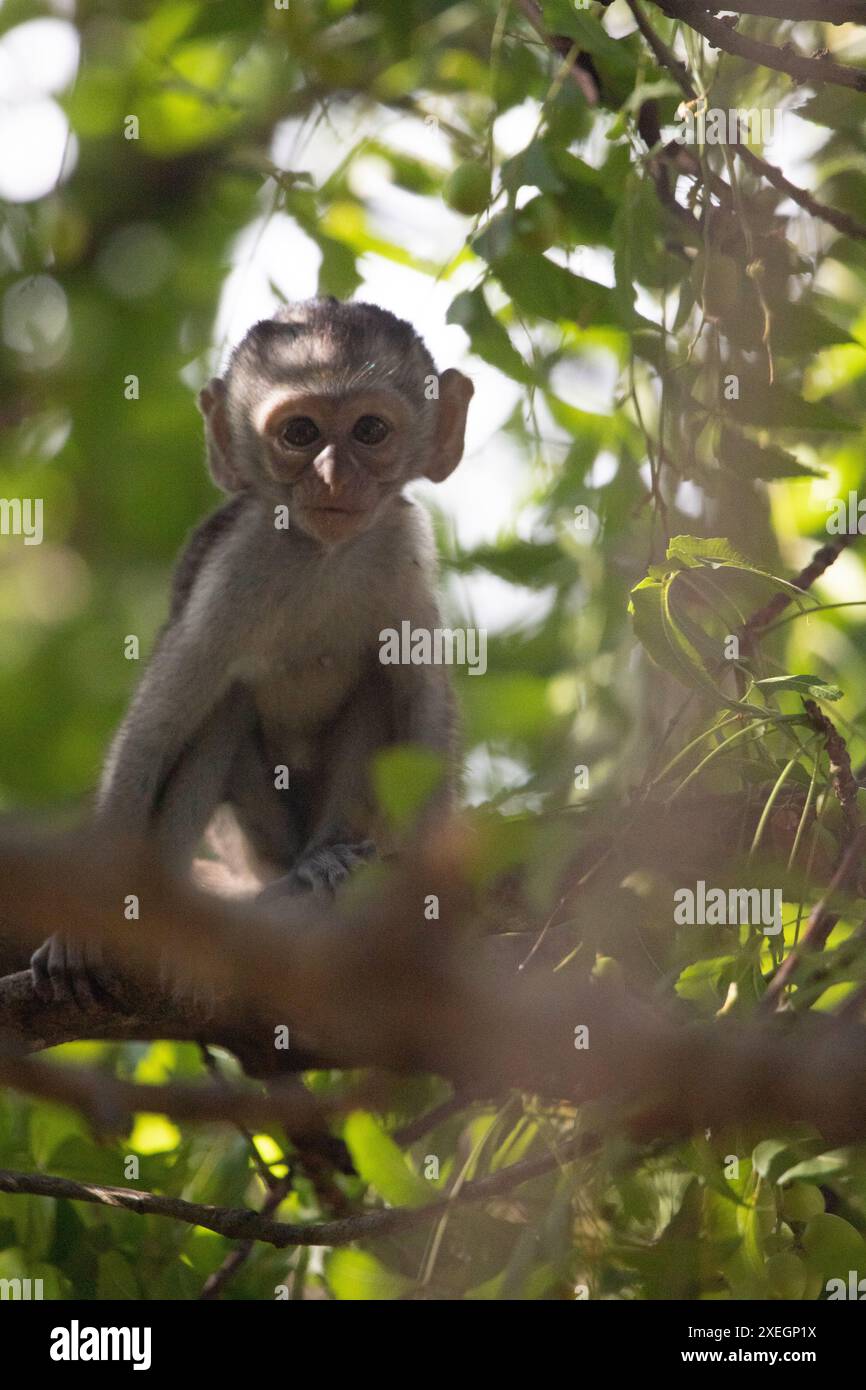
point(176, 703)
point(187, 678)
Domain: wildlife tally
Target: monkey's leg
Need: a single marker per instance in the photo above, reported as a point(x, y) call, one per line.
point(342, 818)
point(200, 780)
point(271, 820)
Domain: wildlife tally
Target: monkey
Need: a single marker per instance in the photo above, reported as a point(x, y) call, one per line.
point(269, 658)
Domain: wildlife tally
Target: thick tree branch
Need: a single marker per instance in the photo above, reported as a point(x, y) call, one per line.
point(374, 992)
point(109, 1104)
point(827, 11)
point(815, 71)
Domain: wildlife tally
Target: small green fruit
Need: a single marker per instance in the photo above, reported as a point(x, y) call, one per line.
point(801, 1201)
point(467, 189)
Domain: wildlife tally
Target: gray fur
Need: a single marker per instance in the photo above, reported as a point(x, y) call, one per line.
point(270, 653)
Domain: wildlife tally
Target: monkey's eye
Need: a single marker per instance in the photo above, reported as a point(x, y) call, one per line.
point(299, 432)
point(371, 430)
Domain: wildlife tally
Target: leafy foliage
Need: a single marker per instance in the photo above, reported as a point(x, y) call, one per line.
point(679, 433)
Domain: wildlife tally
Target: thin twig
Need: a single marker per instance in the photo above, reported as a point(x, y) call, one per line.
point(847, 225)
point(822, 920)
point(235, 1259)
point(581, 70)
point(819, 563)
point(241, 1224)
point(842, 778)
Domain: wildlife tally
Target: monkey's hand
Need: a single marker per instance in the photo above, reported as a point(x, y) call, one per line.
point(71, 972)
point(322, 870)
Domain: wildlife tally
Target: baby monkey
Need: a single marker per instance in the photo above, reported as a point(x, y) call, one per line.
point(267, 672)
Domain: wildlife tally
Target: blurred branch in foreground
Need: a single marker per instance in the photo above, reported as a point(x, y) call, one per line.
point(375, 992)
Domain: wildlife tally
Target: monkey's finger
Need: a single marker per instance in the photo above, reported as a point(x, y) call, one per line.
point(39, 971)
point(58, 971)
point(77, 976)
point(352, 855)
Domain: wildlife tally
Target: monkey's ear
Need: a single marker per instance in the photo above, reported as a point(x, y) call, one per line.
point(455, 393)
point(212, 404)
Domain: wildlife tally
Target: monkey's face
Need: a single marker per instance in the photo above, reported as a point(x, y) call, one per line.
point(339, 458)
point(331, 408)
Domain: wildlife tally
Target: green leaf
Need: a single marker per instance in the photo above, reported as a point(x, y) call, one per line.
point(356, 1275)
point(585, 199)
point(663, 637)
point(774, 407)
point(561, 17)
point(488, 337)
point(380, 1163)
point(550, 291)
point(704, 1161)
point(690, 551)
point(699, 981)
point(747, 459)
point(516, 705)
point(116, 1278)
point(535, 165)
point(624, 252)
point(804, 685)
point(693, 551)
point(818, 1168)
point(770, 1158)
point(534, 565)
point(404, 778)
point(833, 1246)
point(799, 328)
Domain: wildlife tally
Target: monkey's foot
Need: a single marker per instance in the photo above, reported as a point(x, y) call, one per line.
point(72, 971)
point(321, 870)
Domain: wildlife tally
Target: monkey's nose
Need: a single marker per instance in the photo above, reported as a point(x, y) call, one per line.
point(326, 467)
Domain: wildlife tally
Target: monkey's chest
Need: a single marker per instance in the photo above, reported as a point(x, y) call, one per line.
point(298, 703)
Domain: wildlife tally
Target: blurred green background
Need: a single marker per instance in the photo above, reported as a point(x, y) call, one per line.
point(173, 170)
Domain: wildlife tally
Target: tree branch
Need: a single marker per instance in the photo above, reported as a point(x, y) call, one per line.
point(819, 563)
point(371, 991)
point(842, 221)
point(822, 920)
point(827, 11)
point(109, 1103)
point(240, 1224)
point(582, 70)
point(815, 71)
